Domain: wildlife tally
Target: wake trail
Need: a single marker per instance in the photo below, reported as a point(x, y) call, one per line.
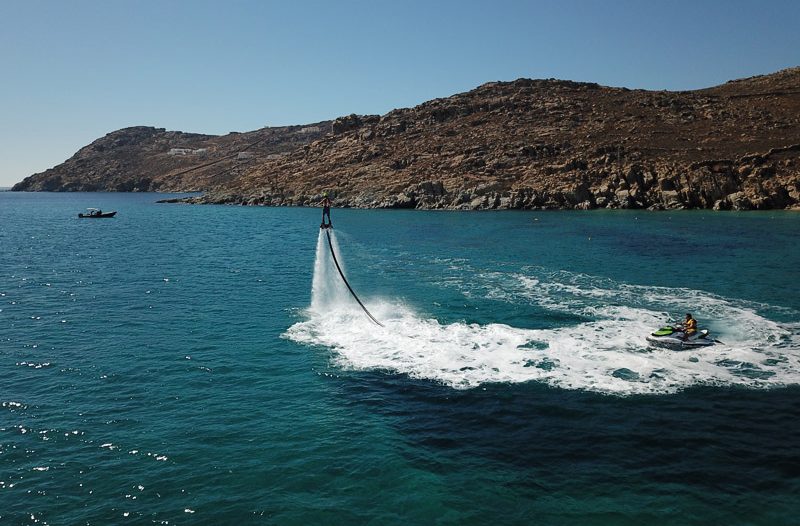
point(607, 354)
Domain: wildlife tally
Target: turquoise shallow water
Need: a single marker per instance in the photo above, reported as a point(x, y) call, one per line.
point(173, 366)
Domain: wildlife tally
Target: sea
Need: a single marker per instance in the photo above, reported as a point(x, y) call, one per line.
point(182, 364)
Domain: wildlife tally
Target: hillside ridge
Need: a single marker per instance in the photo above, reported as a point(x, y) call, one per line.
point(521, 144)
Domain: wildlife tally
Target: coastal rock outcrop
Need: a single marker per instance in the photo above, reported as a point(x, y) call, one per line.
point(147, 159)
point(525, 144)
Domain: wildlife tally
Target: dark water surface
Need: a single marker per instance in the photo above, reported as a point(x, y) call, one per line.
point(174, 365)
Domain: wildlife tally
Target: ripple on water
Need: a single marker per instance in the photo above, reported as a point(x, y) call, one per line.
point(475, 405)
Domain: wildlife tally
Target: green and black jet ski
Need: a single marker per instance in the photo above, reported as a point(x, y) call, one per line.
point(672, 337)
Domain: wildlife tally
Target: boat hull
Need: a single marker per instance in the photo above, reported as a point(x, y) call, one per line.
point(97, 216)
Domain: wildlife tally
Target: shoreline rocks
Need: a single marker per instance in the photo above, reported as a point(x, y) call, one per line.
point(525, 144)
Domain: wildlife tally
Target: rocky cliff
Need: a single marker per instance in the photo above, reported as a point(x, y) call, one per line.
point(528, 144)
point(153, 159)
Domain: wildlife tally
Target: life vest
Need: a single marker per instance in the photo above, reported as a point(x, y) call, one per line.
point(690, 325)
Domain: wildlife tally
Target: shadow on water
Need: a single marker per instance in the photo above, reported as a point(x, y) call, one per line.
point(705, 441)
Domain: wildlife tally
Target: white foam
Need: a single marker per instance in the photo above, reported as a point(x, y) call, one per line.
point(327, 289)
point(608, 354)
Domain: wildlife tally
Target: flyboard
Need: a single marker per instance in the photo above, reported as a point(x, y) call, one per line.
point(327, 228)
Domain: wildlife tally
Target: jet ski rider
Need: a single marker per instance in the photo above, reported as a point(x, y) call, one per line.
point(689, 326)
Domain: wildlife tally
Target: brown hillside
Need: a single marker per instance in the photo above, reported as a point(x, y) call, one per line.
point(554, 144)
point(539, 144)
point(153, 159)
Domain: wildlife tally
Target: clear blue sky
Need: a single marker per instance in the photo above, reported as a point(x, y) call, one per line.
point(74, 70)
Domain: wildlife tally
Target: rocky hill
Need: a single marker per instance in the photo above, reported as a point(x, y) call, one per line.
point(525, 144)
point(152, 159)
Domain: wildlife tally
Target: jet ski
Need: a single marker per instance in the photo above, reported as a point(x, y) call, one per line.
point(671, 337)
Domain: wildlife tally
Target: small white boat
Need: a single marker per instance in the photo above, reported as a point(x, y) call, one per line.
point(97, 213)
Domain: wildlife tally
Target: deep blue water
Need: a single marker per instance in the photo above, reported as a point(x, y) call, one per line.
point(172, 366)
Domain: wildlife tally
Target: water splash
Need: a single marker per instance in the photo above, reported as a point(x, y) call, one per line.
point(328, 291)
point(607, 354)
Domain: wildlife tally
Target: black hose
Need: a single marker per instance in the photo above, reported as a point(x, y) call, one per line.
point(333, 253)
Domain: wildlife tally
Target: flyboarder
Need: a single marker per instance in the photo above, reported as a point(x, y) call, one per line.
point(326, 211)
